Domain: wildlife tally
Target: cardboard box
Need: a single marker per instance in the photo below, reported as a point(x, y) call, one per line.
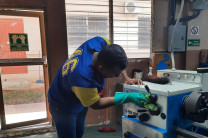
point(159, 61)
point(204, 56)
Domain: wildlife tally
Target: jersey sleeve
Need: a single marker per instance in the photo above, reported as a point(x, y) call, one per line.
point(87, 96)
point(107, 41)
point(98, 43)
point(85, 89)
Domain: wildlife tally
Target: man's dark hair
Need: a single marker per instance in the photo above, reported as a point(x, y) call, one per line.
point(113, 55)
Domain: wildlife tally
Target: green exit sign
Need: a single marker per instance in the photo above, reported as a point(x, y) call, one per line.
point(18, 42)
point(193, 42)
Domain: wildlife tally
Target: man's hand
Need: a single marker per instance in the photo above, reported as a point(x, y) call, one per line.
point(130, 81)
point(134, 81)
point(133, 97)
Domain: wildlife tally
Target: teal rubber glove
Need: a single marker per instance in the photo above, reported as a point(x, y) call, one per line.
point(133, 97)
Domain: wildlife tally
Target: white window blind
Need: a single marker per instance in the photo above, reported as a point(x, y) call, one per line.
point(131, 24)
point(86, 19)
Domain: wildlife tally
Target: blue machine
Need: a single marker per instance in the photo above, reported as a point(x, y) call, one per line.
point(181, 104)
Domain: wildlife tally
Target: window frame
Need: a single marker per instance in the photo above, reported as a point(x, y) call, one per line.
point(132, 48)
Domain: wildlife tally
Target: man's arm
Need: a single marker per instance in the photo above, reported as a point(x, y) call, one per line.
point(89, 97)
point(128, 80)
point(124, 75)
point(109, 101)
point(120, 98)
point(103, 103)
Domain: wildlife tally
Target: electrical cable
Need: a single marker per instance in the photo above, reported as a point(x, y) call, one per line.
point(188, 18)
point(172, 36)
point(172, 11)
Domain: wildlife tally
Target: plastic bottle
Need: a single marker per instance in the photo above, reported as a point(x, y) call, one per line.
point(150, 71)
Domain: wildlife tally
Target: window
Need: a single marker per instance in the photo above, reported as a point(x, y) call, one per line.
point(131, 24)
point(144, 24)
point(81, 28)
point(85, 20)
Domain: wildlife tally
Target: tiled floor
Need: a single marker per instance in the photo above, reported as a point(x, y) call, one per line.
point(90, 132)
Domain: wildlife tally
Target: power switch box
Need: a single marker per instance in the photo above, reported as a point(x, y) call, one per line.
point(179, 38)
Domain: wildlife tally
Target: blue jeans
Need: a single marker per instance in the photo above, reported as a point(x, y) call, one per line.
point(68, 125)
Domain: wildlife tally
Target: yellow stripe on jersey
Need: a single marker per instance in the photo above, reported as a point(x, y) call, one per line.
point(87, 96)
point(107, 41)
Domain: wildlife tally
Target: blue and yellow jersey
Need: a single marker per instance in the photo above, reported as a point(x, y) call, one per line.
point(75, 85)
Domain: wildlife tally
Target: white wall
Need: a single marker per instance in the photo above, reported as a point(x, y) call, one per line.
point(200, 21)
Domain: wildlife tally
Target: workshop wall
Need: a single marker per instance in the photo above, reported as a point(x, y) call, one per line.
point(192, 62)
point(188, 60)
point(160, 21)
point(162, 60)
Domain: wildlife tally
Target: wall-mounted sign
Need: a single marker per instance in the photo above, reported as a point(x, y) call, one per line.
point(18, 42)
point(193, 42)
point(194, 30)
